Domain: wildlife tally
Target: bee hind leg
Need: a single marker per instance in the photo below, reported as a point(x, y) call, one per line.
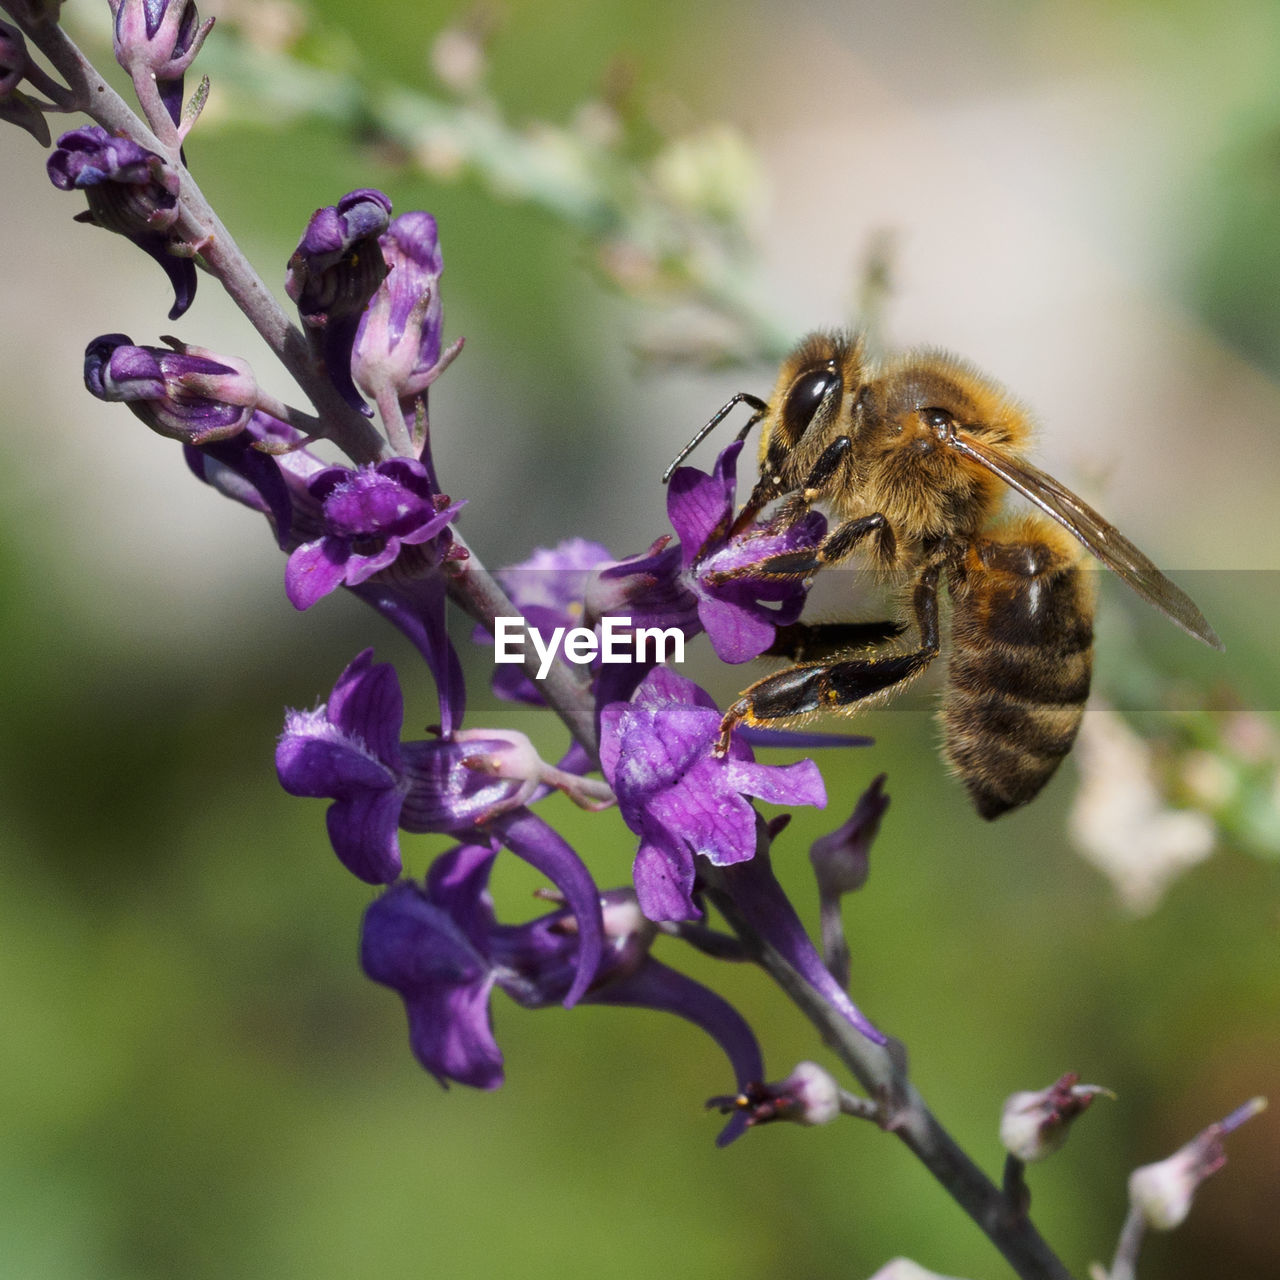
point(809, 642)
point(818, 686)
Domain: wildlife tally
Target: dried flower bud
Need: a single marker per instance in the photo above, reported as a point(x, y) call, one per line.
point(1163, 1192)
point(1034, 1125)
point(332, 274)
point(808, 1096)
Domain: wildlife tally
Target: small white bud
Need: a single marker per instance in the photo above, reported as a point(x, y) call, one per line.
point(905, 1269)
point(1163, 1192)
point(1035, 1125)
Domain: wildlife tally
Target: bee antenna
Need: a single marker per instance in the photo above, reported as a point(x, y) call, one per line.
point(759, 408)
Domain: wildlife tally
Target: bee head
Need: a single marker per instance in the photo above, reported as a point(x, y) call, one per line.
point(807, 402)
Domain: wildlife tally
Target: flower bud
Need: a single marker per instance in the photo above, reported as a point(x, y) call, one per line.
point(334, 271)
point(131, 191)
point(338, 263)
point(187, 393)
point(808, 1096)
point(399, 338)
point(840, 859)
point(158, 39)
point(1163, 1192)
point(1034, 1125)
point(129, 188)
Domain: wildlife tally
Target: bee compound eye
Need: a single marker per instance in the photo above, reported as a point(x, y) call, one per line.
point(806, 395)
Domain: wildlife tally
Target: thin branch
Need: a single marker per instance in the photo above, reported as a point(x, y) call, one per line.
point(905, 1113)
point(479, 594)
point(1124, 1264)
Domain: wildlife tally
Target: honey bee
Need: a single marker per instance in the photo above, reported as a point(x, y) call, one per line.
point(912, 457)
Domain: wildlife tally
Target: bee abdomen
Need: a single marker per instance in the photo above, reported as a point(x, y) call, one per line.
point(1021, 660)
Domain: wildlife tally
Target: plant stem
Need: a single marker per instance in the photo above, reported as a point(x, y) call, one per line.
point(350, 430)
point(882, 1072)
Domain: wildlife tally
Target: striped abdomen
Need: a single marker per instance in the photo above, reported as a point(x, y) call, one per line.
point(1021, 658)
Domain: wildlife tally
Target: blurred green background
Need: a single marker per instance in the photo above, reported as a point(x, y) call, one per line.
point(196, 1081)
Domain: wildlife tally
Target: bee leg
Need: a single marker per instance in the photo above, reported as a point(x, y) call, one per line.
point(804, 641)
point(819, 686)
point(834, 547)
point(769, 486)
point(759, 408)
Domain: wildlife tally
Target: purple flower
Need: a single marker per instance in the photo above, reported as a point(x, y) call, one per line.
point(370, 515)
point(431, 945)
point(131, 191)
point(321, 525)
point(385, 537)
point(333, 273)
point(727, 574)
point(349, 750)
point(709, 580)
point(445, 955)
point(441, 948)
point(186, 393)
point(158, 39)
point(657, 753)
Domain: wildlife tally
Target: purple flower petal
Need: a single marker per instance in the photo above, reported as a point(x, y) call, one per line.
point(349, 750)
point(664, 880)
point(417, 947)
point(531, 839)
point(362, 830)
point(683, 802)
point(366, 703)
point(654, 986)
point(314, 570)
point(700, 506)
point(767, 909)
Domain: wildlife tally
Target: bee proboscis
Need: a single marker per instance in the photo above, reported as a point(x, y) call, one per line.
point(912, 457)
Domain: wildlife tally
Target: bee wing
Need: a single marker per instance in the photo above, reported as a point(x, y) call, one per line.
point(1098, 535)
